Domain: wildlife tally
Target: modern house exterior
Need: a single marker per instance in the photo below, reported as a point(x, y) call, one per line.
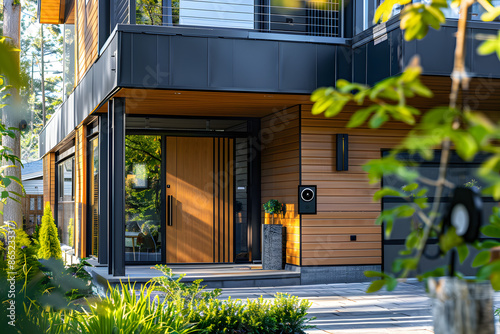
point(180, 120)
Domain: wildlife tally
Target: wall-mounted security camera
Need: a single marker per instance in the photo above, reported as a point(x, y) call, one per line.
point(307, 200)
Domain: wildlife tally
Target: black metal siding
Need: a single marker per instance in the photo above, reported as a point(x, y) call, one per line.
point(207, 63)
point(99, 82)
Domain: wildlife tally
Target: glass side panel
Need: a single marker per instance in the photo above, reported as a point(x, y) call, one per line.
point(241, 202)
point(143, 198)
point(94, 195)
point(66, 204)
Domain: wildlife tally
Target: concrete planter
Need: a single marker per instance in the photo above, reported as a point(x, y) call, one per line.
point(462, 307)
point(273, 243)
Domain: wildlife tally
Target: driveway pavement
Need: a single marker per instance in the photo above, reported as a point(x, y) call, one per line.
point(347, 308)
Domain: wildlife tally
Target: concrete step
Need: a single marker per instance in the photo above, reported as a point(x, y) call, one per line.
point(213, 275)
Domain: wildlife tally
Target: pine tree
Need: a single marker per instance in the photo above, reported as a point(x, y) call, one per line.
point(50, 247)
point(26, 265)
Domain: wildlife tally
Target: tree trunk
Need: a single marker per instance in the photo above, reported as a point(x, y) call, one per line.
point(11, 115)
point(461, 307)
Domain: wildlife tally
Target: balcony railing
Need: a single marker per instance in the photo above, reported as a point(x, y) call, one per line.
point(311, 18)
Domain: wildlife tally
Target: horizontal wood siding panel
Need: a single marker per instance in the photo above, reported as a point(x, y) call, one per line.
point(345, 204)
point(280, 170)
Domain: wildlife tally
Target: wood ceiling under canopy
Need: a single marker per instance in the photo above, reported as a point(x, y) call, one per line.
point(201, 103)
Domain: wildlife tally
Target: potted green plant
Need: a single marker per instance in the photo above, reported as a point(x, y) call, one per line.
point(273, 207)
point(272, 238)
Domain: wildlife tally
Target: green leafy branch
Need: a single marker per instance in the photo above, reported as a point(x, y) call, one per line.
point(384, 101)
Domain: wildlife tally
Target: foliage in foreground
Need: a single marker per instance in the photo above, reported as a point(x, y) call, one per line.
point(172, 308)
point(282, 314)
point(26, 264)
point(456, 125)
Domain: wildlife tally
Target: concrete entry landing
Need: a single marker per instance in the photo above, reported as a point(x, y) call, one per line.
point(213, 275)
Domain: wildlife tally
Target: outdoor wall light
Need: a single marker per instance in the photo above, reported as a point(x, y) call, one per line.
point(465, 213)
point(22, 125)
point(342, 152)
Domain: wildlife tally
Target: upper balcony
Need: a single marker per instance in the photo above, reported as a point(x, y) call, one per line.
point(314, 18)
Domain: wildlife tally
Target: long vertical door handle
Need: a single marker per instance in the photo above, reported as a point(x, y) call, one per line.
point(169, 215)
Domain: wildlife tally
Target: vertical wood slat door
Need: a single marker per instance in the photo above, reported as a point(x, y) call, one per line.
point(200, 182)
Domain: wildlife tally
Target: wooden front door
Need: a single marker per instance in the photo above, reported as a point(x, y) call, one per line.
point(200, 200)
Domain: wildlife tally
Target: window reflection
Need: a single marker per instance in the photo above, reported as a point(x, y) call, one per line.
point(143, 198)
point(241, 206)
point(94, 197)
point(66, 204)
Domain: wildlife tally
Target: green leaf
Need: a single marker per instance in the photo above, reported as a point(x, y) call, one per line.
point(438, 272)
point(495, 281)
point(360, 117)
point(465, 145)
point(410, 187)
point(490, 46)
point(391, 283)
point(413, 239)
point(8, 62)
point(463, 252)
point(491, 231)
point(421, 202)
point(422, 192)
point(449, 240)
point(387, 191)
point(417, 17)
point(486, 271)
point(404, 211)
point(489, 244)
point(376, 286)
point(481, 259)
point(491, 14)
point(378, 119)
point(6, 181)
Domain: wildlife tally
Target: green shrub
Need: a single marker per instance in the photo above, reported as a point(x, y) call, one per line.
point(71, 232)
point(126, 309)
point(49, 244)
point(78, 271)
point(26, 264)
point(174, 289)
point(284, 314)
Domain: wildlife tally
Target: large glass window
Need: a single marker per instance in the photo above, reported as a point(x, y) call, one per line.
point(143, 198)
point(313, 17)
point(94, 196)
point(68, 59)
point(66, 202)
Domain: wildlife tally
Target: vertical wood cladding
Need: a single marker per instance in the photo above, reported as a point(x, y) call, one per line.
point(200, 178)
point(80, 191)
point(87, 36)
point(280, 135)
point(224, 199)
point(49, 180)
point(345, 204)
